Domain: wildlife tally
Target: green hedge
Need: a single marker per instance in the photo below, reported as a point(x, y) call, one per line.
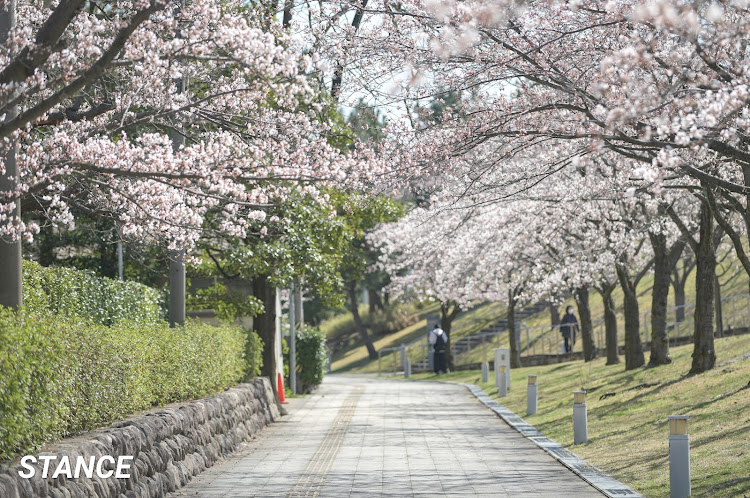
point(60, 375)
point(78, 293)
point(312, 358)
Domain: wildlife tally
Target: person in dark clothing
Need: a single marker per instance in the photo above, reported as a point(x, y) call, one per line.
point(569, 328)
point(439, 342)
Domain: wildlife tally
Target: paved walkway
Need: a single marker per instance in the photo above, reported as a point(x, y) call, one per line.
point(363, 436)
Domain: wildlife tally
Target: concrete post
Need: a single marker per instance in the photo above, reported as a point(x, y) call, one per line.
point(176, 288)
point(177, 257)
point(531, 395)
point(407, 368)
point(119, 258)
point(278, 349)
point(403, 356)
point(485, 372)
point(299, 306)
point(501, 382)
point(502, 357)
point(292, 343)
point(11, 290)
point(580, 423)
point(679, 457)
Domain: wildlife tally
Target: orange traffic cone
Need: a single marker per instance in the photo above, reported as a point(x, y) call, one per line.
point(280, 383)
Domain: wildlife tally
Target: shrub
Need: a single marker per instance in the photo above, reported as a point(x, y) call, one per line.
point(78, 293)
point(60, 375)
point(253, 355)
point(312, 359)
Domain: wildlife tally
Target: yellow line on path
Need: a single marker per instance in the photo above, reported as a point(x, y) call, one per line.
point(311, 480)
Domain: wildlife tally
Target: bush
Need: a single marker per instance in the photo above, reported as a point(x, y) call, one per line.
point(60, 375)
point(78, 293)
point(390, 320)
point(312, 358)
point(253, 355)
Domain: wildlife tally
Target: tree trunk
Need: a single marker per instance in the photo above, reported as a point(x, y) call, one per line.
point(584, 317)
point(448, 312)
point(515, 354)
point(704, 356)
point(554, 316)
point(265, 326)
point(659, 294)
point(11, 291)
point(633, 350)
point(610, 325)
point(354, 308)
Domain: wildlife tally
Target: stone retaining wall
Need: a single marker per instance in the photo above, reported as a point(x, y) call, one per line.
point(169, 446)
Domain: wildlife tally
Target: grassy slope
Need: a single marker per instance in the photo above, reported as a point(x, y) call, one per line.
point(628, 432)
point(354, 358)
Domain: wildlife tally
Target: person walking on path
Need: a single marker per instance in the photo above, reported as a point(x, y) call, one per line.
point(569, 328)
point(439, 341)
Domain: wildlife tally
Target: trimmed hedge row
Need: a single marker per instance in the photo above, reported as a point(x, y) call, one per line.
point(312, 357)
point(83, 294)
point(61, 375)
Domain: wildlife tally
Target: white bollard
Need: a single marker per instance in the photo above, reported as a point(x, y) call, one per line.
point(503, 385)
point(407, 369)
point(502, 357)
point(679, 457)
point(485, 372)
point(531, 395)
point(580, 424)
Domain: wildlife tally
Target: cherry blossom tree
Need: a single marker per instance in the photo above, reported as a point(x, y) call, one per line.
point(662, 84)
point(99, 88)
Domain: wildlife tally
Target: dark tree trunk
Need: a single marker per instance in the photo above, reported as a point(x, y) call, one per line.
point(448, 312)
point(554, 316)
point(354, 308)
point(108, 259)
point(515, 353)
point(633, 350)
point(584, 318)
point(665, 259)
point(704, 356)
point(610, 325)
point(265, 325)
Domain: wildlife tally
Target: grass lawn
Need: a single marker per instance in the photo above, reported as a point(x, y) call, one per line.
point(628, 432)
point(354, 357)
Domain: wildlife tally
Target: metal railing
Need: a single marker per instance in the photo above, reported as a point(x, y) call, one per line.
point(735, 313)
point(547, 340)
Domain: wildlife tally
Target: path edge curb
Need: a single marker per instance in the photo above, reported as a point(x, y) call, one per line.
point(597, 478)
